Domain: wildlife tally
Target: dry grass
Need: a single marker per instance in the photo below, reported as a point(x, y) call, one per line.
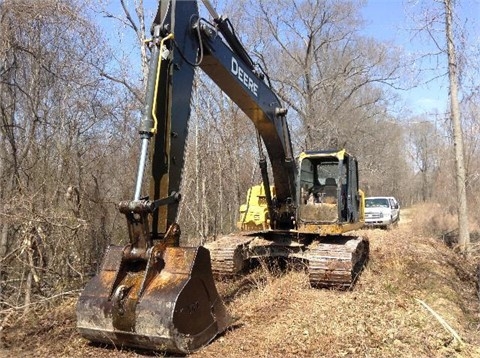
point(380, 318)
point(435, 221)
point(440, 221)
point(281, 316)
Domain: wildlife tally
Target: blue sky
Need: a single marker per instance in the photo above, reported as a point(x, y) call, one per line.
point(390, 20)
point(386, 20)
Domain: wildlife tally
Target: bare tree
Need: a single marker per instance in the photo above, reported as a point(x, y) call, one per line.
point(134, 20)
point(422, 149)
point(329, 75)
point(448, 37)
point(464, 234)
point(471, 132)
point(60, 140)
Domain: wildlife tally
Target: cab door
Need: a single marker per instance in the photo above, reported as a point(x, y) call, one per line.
point(353, 196)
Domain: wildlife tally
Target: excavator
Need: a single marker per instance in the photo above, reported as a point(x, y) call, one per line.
point(153, 293)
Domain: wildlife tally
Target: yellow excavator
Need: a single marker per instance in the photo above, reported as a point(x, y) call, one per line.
point(310, 226)
point(154, 294)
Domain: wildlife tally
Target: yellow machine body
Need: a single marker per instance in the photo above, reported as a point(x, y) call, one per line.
point(254, 214)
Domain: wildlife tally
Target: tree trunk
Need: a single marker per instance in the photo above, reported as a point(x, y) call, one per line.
point(463, 232)
point(28, 292)
point(3, 254)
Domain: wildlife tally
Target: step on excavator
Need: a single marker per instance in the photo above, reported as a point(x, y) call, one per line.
point(155, 294)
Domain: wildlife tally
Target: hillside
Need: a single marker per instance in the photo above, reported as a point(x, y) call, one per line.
point(279, 315)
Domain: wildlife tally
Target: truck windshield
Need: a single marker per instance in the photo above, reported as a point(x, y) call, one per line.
point(377, 203)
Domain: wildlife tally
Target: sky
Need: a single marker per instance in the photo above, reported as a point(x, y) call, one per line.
point(388, 21)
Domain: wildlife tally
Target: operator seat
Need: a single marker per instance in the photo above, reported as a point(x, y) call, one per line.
point(330, 188)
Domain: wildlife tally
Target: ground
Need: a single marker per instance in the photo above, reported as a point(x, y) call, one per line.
point(415, 298)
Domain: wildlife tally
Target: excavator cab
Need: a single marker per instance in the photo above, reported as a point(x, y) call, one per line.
point(328, 194)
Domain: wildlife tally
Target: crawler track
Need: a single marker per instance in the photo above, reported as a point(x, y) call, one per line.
point(337, 262)
point(334, 262)
point(229, 254)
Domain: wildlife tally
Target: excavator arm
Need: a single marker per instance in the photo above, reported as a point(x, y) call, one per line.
point(167, 110)
point(188, 41)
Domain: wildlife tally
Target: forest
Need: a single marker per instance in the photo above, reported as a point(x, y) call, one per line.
point(72, 97)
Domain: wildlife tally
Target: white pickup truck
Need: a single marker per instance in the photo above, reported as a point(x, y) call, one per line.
point(381, 211)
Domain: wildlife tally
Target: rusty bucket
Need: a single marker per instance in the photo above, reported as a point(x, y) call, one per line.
point(166, 302)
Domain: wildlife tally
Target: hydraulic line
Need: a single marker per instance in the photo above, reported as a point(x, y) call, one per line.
point(266, 181)
point(149, 124)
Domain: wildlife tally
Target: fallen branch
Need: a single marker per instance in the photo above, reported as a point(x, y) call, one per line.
point(442, 321)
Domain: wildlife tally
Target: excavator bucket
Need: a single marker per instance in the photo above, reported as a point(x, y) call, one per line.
point(166, 302)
